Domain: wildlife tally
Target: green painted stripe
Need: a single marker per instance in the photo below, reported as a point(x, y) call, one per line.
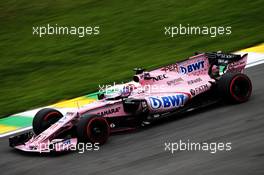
point(92, 95)
point(26, 121)
point(17, 121)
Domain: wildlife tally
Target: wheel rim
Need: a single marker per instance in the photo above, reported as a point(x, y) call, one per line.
point(50, 119)
point(240, 88)
point(97, 130)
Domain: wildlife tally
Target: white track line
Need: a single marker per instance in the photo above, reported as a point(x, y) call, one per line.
point(255, 63)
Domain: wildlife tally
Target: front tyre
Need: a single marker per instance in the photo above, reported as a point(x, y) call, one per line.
point(93, 129)
point(44, 119)
point(235, 87)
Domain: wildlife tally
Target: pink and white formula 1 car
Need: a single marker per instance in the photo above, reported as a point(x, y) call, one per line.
point(199, 81)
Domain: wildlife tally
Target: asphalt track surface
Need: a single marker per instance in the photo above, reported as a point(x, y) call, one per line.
point(143, 152)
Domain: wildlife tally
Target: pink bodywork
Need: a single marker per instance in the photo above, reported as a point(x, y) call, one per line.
point(167, 88)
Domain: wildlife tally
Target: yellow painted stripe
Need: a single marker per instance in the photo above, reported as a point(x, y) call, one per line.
point(74, 103)
point(257, 49)
point(5, 129)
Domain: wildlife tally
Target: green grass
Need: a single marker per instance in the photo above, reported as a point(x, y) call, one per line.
point(38, 71)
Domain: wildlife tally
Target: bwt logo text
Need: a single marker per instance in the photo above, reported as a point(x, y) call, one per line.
point(192, 67)
point(167, 101)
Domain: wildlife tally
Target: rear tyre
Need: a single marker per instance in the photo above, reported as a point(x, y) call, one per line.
point(93, 129)
point(235, 87)
point(44, 119)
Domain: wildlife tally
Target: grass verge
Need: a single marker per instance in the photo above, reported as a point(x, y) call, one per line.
point(38, 71)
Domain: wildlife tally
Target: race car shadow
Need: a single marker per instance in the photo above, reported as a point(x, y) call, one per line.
point(175, 117)
point(187, 114)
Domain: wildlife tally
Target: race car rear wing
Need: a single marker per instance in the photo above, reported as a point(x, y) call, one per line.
point(220, 58)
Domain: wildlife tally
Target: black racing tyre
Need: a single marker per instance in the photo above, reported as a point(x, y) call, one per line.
point(44, 119)
point(235, 87)
point(93, 129)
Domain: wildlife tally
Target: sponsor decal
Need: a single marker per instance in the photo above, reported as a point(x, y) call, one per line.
point(192, 92)
point(192, 67)
point(109, 111)
point(67, 142)
point(172, 67)
point(126, 90)
point(175, 81)
point(112, 125)
point(197, 80)
point(222, 61)
point(70, 113)
point(168, 101)
point(225, 56)
point(159, 77)
point(237, 66)
point(199, 89)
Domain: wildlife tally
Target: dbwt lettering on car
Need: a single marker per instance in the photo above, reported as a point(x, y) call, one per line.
point(192, 67)
point(172, 101)
point(155, 102)
point(167, 101)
